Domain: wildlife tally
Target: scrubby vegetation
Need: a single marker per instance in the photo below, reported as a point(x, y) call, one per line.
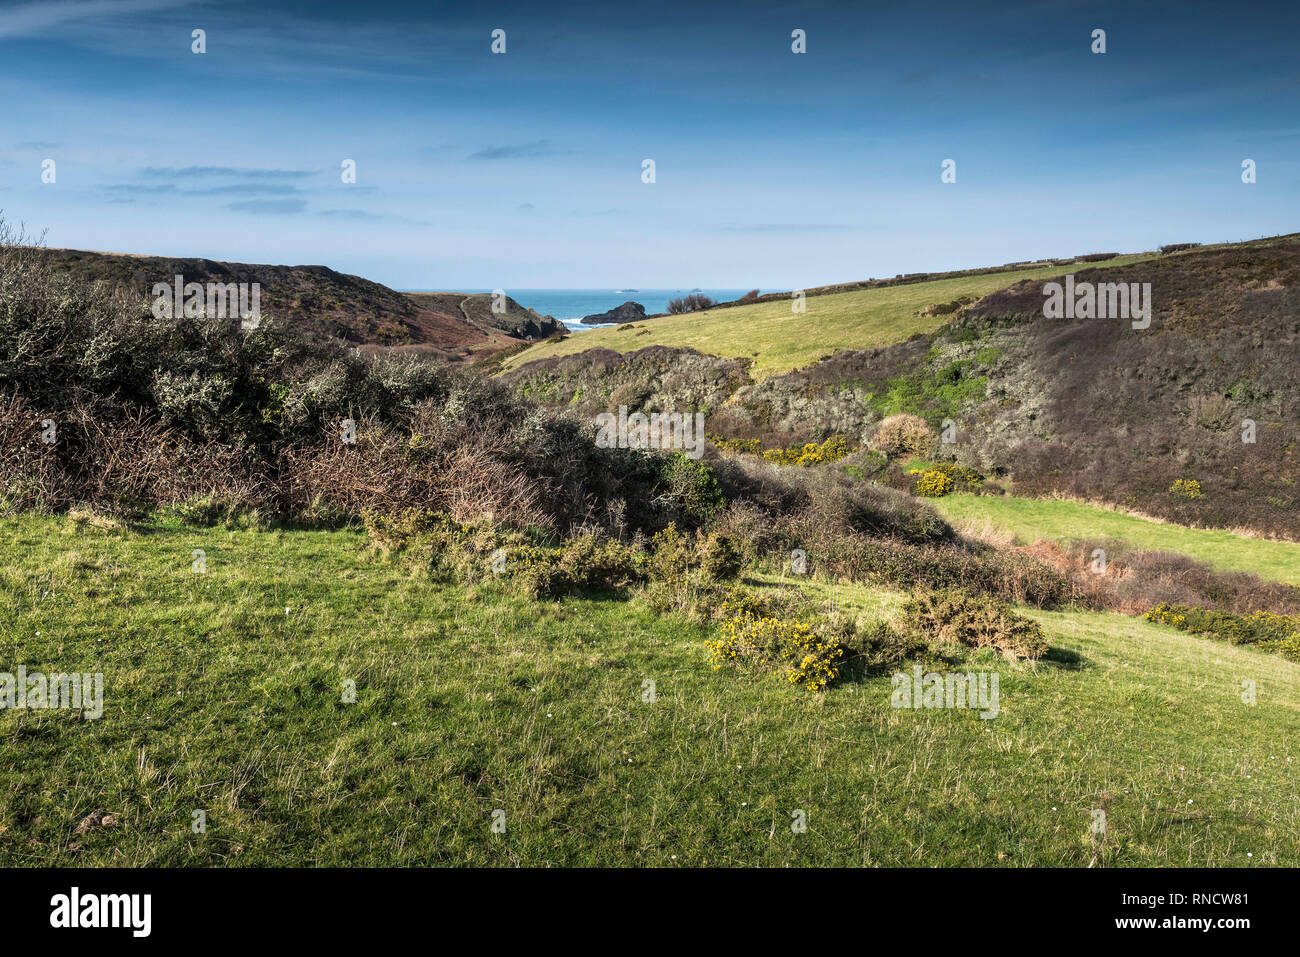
point(1192, 420)
point(693, 302)
point(1276, 633)
point(597, 725)
point(105, 405)
point(461, 551)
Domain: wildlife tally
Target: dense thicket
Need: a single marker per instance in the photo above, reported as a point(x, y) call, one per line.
point(101, 403)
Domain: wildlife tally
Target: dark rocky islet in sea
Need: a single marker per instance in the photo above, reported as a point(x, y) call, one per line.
point(628, 312)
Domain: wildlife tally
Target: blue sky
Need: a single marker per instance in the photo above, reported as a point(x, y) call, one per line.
point(773, 170)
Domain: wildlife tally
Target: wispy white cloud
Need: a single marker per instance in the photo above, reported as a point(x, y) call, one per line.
point(188, 172)
point(275, 207)
point(45, 16)
point(516, 151)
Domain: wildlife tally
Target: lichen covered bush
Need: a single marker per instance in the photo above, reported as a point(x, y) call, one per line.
point(903, 434)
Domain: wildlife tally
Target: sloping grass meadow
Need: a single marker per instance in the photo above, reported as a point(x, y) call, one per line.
point(1032, 519)
point(778, 339)
point(224, 693)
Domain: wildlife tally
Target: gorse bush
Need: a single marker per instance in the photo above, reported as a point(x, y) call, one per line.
point(751, 629)
point(816, 650)
point(1288, 647)
point(933, 483)
point(1186, 488)
point(880, 647)
point(939, 480)
point(1275, 633)
point(957, 617)
point(684, 570)
point(811, 453)
point(747, 446)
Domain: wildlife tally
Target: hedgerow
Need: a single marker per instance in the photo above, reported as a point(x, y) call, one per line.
point(1279, 634)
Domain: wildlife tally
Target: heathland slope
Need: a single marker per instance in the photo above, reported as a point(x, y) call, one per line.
point(1091, 408)
point(324, 303)
point(355, 606)
point(476, 310)
point(777, 339)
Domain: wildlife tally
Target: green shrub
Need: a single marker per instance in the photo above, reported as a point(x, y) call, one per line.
point(720, 556)
point(534, 571)
point(880, 647)
point(957, 617)
point(1264, 629)
point(931, 395)
point(677, 555)
point(595, 562)
point(690, 489)
point(672, 555)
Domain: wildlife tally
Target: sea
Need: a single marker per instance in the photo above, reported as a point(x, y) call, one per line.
point(570, 305)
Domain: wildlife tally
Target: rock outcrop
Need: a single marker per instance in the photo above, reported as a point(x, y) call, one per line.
point(628, 312)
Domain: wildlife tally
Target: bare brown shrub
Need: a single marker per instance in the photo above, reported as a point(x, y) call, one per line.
point(900, 434)
point(390, 471)
point(1136, 580)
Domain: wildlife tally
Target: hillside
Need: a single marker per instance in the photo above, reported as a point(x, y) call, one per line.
point(323, 302)
point(354, 605)
point(774, 339)
point(476, 310)
point(1092, 409)
point(1025, 521)
point(223, 692)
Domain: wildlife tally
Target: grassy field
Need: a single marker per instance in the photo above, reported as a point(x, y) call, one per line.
point(1055, 519)
point(223, 694)
point(779, 340)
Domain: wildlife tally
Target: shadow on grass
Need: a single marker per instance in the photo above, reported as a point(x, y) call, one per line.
point(1065, 659)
